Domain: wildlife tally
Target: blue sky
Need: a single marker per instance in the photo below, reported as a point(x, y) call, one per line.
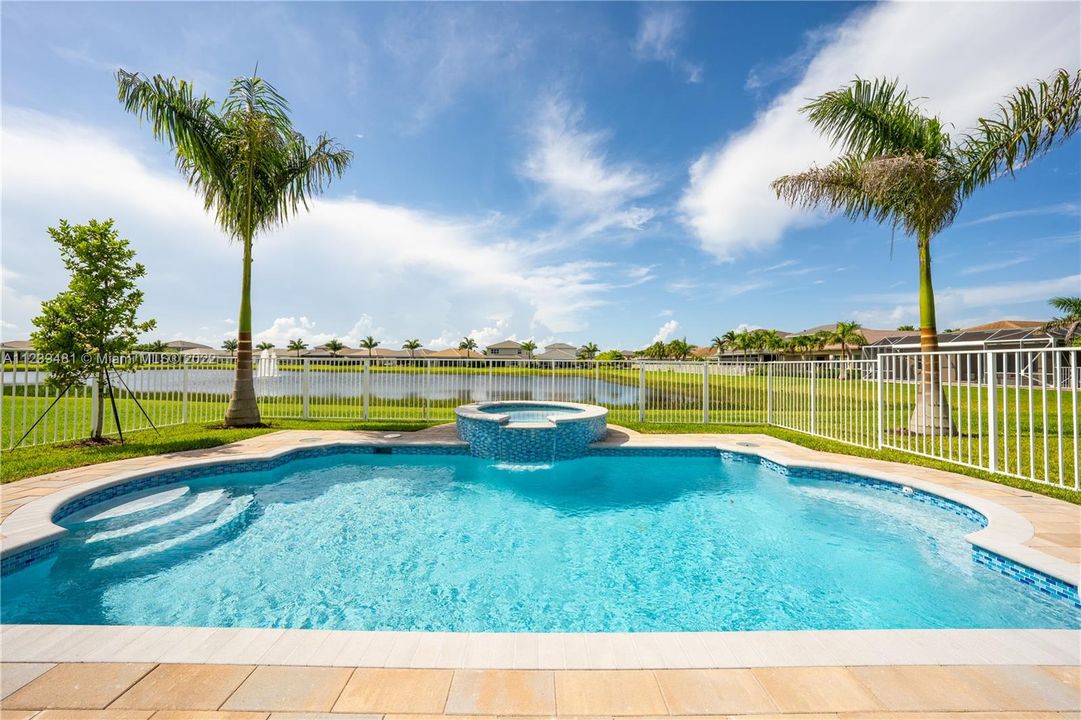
point(581, 172)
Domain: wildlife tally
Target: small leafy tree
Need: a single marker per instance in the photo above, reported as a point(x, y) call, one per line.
point(83, 330)
point(230, 346)
point(334, 345)
point(412, 346)
point(906, 328)
point(369, 343)
point(296, 346)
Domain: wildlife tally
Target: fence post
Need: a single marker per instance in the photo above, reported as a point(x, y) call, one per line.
point(427, 388)
point(305, 387)
point(992, 413)
point(94, 390)
point(596, 382)
point(769, 394)
point(641, 392)
point(367, 385)
point(814, 398)
point(880, 401)
point(184, 382)
point(705, 391)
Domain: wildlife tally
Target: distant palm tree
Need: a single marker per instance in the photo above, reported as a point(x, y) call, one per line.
point(845, 334)
point(679, 349)
point(529, 346)
point(335, 346)
point(265, 346)
point(589, 350)
point(657, 351)
point(467, 344)
point(230, 346)
point(251, 167)
point(369, 343)
point(1070, 320)
point(906, 328)
point(718, 343)
point(297, 345)
point(898, 165)
point(412, 346)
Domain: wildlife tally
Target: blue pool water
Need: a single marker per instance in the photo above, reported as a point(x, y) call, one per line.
point(530, 413)
point(454, 543)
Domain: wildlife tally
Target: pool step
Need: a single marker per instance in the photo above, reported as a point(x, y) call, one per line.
point(198, 503)
point(233, 512)
point(129, 507)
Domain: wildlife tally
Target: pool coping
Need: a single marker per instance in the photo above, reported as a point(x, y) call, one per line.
point(1005, 534)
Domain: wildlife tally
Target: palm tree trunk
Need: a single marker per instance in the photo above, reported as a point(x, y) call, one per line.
point(931, 416)
point(243, 409)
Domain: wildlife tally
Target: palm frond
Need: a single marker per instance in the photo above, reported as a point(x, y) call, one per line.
point(309, 169)
point(1029, 123)
point(868, 118)
point(188, 123)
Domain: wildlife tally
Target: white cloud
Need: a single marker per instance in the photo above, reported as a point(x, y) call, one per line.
point(1068, 208)
point(666, 331)
point(954, 303)
point(570, 165)
point(660, 32)
point(16, 304)
point(347, 256)
point(988, 267)
point(952, 54)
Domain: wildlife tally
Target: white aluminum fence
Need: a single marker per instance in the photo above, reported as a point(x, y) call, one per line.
point(1012, 411)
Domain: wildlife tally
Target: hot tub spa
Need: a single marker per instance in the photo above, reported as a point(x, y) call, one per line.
point(523, 431)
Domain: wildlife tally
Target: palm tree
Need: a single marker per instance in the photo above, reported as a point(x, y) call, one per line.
point(679, 349)
point(1070, 320)
point(335, 346)
point(412, 346)
point(845, 334)
point(529, 346)
point(230, 346)
point(297, 345)
point(718, 343)
point(264, 346)
point(906, 328)
point(251, 167)
point(369, 343)
point(898, 165)
point(467, 343)
point(589, 350)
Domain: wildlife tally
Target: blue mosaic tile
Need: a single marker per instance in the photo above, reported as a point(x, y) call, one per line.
point(492, 440)
point(1035, 579)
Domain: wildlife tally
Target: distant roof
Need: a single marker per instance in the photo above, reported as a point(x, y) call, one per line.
point(1011, 337)
point(185, 345)
point(17, 345)
point(456, 353)
point(506, 344)
point(557, 354)
point(704, 352)
point(560, 346)
point(375, 353)
point(1006, 325)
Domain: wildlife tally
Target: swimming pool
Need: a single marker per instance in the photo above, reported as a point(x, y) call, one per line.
point(618, 541)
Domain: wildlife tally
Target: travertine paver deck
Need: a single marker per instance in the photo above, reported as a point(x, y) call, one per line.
point(107, 690)
point(248, 674)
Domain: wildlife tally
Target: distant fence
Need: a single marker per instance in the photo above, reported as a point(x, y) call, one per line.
point(1013, 412)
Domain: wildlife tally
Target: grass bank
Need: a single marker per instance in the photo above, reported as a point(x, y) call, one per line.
point(42, 459)
point(816, 443)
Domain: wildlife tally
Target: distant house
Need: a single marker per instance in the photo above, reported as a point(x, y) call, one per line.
point(558, 352)
point(378, 352)
point(506, 350)
point(14, 349)
point(182, 345)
